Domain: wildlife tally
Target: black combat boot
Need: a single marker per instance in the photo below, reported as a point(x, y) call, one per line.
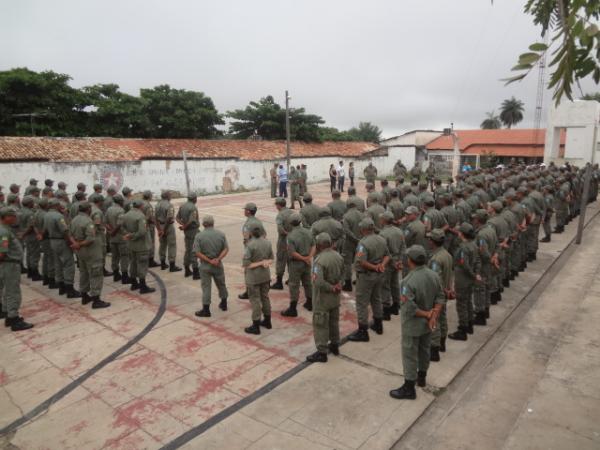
point(163, 265)
point(506, 282)
point(18, 324)
point(266, 322)
point(493, 298)
point(360, 335)
point(387, 313)
point(470, 327)
point(291, 311)
point(443, 344)
point(153, 263)
point(334, 349)
point(173, 267)
point(498, 296)
point(434, 354)
point(196, 274)
point(278, 285)
point(106, 272)
point(347, 286)
point(317, 357)
point(99, 304)
point(125, 278)
point(3, 315)
point(421, 378)
point(188, 272)
point(395, 309)
point(53, 284)
point(62, 290)
point(405, 392)
point(459, 335)
point(204, 312)
point(71, 292)
point(377, 326)
point(308, 304)
point(244, 295)
point(46, 281)
point(85, 298)
point(116, 275)
point(144, 288)
point(35, 275)
point(223, 304)
point(534, 256)
point(134, 284)
point(254, 328)
point(545, 239)
point(29, 272)
point(487, 313)
point(23, 269)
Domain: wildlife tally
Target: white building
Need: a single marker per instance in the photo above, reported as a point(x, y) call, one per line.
point(410, 147)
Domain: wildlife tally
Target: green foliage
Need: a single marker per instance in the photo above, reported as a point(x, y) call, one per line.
point(592, 96)
point(491, 122)
point(366, 132)
point(333, 134)
point(575, 37)
point(488, 160)
point(511, 112)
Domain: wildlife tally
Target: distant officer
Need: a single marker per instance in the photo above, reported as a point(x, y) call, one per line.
point(390, 291)
point(11, 254)
point(352, 236)
point(118, 246)
point(294, 179)
point(14, 190)
point(441, 263)
point(61, 241)
point(273, 175)
point(97, 216)
point(90, 254)
point(210, 247)
point(80, 188)
point(136, 235)
point(189, 223)
point(337, 206)
point(252, 221)
point(415, 172)
point(310, 211)
point(300, 250)
point(422, 299)
point(399, 169)
point(148, 211)
point(372, 258)
point(327, 273)
point(165, 218)
point(32, 183)
point(360, 203)
point(467, 267)
point(258, 258)
point(283, 228)
point(42, 237)
point(304, 178)
point(29, 237)
point(327, 224)
point(370, 173)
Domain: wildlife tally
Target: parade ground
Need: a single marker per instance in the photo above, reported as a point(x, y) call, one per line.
point(147, 373)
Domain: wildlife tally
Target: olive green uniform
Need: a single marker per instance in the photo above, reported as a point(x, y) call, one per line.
point(352, 236)
point(148, 211)
point(134, 224)
point(165, 217)
point(370, 173)
point(299, 240)
point(390, 292)
point(338, 209)
point(373, 249)
point(188, 215)
point(467, 266)
point(257, 279)
point(10, 271)
point(55, 227)
point(487, 242)
point(47, 257)
point(310, 214)
point(118, 246)
point(251, 222)
point(90, 257)
point(442, 264)
point(211, 243)
point(32, 245)
point(332, 227)
point(283, 228)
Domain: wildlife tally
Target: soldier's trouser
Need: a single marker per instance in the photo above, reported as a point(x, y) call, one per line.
point(561, 216)
point(91, 275)
point(120, 256)
point(464, 305)
point(533, 232)
point(515, 255)
point(168, 242)
point(480, 293)
point(138, 264)
point(348, 254)
point(326, 322)
point(299, 273)
point(441, 330)
point(524, 238)
point(152, 234)
point(64, 263)
point(415, 355)
point(368, 292)
point(47, 259)
point(390, 288)
point(188, 257)
point(103, 240)
point(10, 287)
point(33, 253)
point(371, 180)
point(208, 272)
point(547, 226)
point(281, 257)
point(273, 187)
point(259, 299)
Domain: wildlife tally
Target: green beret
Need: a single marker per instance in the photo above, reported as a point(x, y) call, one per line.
point(417, 254)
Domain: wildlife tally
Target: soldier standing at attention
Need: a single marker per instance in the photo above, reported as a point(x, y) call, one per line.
point(301, 181)
point(251, 221)
point(108, 200)
point(300, 250)
point(118, 246)
point(97, 217)
point(327, 224)
point(42, 237)
point(372, 258)
point(57, 230)
point(11, 254)
point(294, 179)
point(165, 217)
point(390, 291)
point(370, 173)
point(29, 237)
point(283, 228)
point(422, 298)
point(14, 190)
point(374, 209)
point(442, 264)
point(258, 257)
point(210, 247)
point(273, 175)
point(148, 211)
point(74, 208)
point(309, 212)
point(360, 203)
point(136, 235)
point(466, 273)
point(98, 188)
point(352, 236)
point(90, 254)
point(304, 176)
point(187, 218)
point(351, 173)
point(337, 206)
point(415, 172)
point(414, 232)
point(327, 275)
point(548, 192)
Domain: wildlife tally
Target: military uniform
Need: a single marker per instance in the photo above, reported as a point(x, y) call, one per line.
point(136, 235)
point(360, 203)
point(327, 224)
point(283, 228)
point(56, 228)
point(370, 173)
point(338, 209)
point(390, 292)
point(257, 281)
point(441, 263)
point(352, 236)
point(118, 246)
point(309, 212)
point(47, 257)
point(10, 271)
point(187, 216)
point(29, 237)
point(295, 180)
point(487, 243)
point(148, 211)
point(211, 243)
point(165, 217)
point(273, 176)
point(300, 241)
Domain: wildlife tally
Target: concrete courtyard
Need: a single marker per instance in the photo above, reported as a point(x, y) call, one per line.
point(169, 379)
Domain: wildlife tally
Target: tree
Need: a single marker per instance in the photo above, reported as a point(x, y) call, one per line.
point(491, 122)
point(333, 134)
point(511, 112)
point(366, 132)
point(267, 119)
point(591, 96)
point(572, 27)
point(489, 160)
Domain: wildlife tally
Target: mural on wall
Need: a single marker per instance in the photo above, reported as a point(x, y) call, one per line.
point(231, 178)
point(110, 176)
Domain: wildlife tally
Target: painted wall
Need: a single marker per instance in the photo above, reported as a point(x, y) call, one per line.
point(206, 176)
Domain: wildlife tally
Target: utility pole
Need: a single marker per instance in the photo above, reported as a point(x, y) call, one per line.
point(287, 129)
point(185, 169)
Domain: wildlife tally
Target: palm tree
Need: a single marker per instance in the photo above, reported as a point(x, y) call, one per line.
point(512, 112)
point(491, 122)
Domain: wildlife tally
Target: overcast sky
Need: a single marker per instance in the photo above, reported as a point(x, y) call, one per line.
point(403, 65)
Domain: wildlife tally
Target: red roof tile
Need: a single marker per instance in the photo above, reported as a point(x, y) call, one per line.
point(114, 149)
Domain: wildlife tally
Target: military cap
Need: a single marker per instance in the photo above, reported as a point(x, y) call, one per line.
point(147, 195)
point(164, 195)
point(323, 238)
point(80, 185)
point(497, 205)
point(280, 201)
point(136, 203)
point(466, 228)
point(481, 215)
point(417, 254)
point(43, 202)
point(79, 195)
point(53, 202)
point(97, 186)
point(118, 198)
point(192, 196)
point(351, 202)
point(62, 185)
point(325, 211)
point(48, 182)
point(84, 206)
point(251, 206)
point(12, 198)
point(208, 221)
point(437, 235)
point(33, 181)
point(387, 215)
point(295, 218)
point(126, 190)
point(112, 189)
point(27, 200)
point(14, 186)
point(7, 211)
point(411, 210)
point(366, 224)
point(307, 197)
